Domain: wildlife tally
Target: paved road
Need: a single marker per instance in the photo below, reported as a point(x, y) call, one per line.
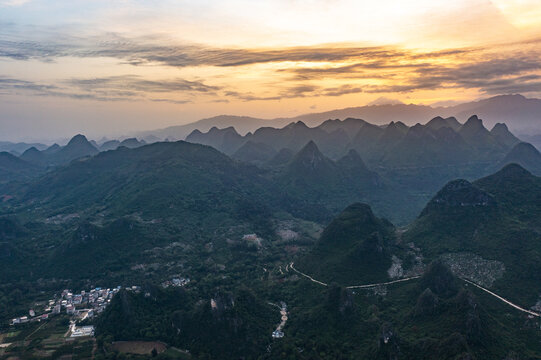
point(502, 299)
point(383, 283)
point(533, 313)
point(354, 286)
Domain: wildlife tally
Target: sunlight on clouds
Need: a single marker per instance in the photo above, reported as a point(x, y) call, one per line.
point(522, 13)
point(248, 23)
point(190, 59)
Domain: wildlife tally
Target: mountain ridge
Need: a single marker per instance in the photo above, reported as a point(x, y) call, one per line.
point(520, 113)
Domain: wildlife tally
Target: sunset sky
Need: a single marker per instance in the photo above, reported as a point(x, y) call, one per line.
point(113, 67)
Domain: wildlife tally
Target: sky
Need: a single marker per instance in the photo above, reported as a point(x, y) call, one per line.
point(114, 67)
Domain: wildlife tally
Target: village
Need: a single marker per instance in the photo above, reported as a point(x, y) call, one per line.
point(81, 306)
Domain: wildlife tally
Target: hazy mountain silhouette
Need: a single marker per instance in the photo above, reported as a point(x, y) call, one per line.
point(439, 142)
point(526, 155)
point(109, 145)
point(518, 112)
point(52, 149)
point(76, 148)
point(20, 147)
point(503, 135)
point(14, 168)
point(254, 152)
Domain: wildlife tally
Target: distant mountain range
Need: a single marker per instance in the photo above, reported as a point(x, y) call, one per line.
point(521, 114)
point(78, 147)
point(394, 167)
point(19, 148)
point(441, 141)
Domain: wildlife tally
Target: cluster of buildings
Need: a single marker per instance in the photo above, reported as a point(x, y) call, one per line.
point(84, 305)
point(178, 282)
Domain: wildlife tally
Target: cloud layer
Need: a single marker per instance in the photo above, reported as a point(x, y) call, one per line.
point(290, 72)
point(186, 60)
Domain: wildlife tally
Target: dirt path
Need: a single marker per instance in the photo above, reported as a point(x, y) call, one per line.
point(94, 349)
point(33, 332)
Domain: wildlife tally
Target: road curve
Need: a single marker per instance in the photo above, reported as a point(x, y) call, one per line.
point(307, 276)
point(533, 313)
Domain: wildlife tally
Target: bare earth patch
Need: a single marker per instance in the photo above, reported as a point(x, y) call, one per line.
point(138, 347)
point(396, 271)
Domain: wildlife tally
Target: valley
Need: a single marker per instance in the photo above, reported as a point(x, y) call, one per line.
point(377, 251)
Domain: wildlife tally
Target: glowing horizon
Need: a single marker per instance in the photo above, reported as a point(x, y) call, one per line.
point(115, 67)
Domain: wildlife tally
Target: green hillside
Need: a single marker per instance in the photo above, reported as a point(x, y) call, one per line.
point(13, 168)
point(353, 248)
point(495, 218)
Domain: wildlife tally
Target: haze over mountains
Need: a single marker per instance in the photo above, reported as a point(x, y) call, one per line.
point(519, 113)
point(442, 144)
point(394, 167)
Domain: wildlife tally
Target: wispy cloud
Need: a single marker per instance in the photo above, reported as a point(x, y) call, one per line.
point(331, 70)
point(143, 50)
point(136, 83)
point(114, 88)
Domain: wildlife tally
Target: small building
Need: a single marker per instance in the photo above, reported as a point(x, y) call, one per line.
point(83, 331)
point(277, 334)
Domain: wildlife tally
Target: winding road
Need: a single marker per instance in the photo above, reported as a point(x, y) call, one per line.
point(533, 313)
